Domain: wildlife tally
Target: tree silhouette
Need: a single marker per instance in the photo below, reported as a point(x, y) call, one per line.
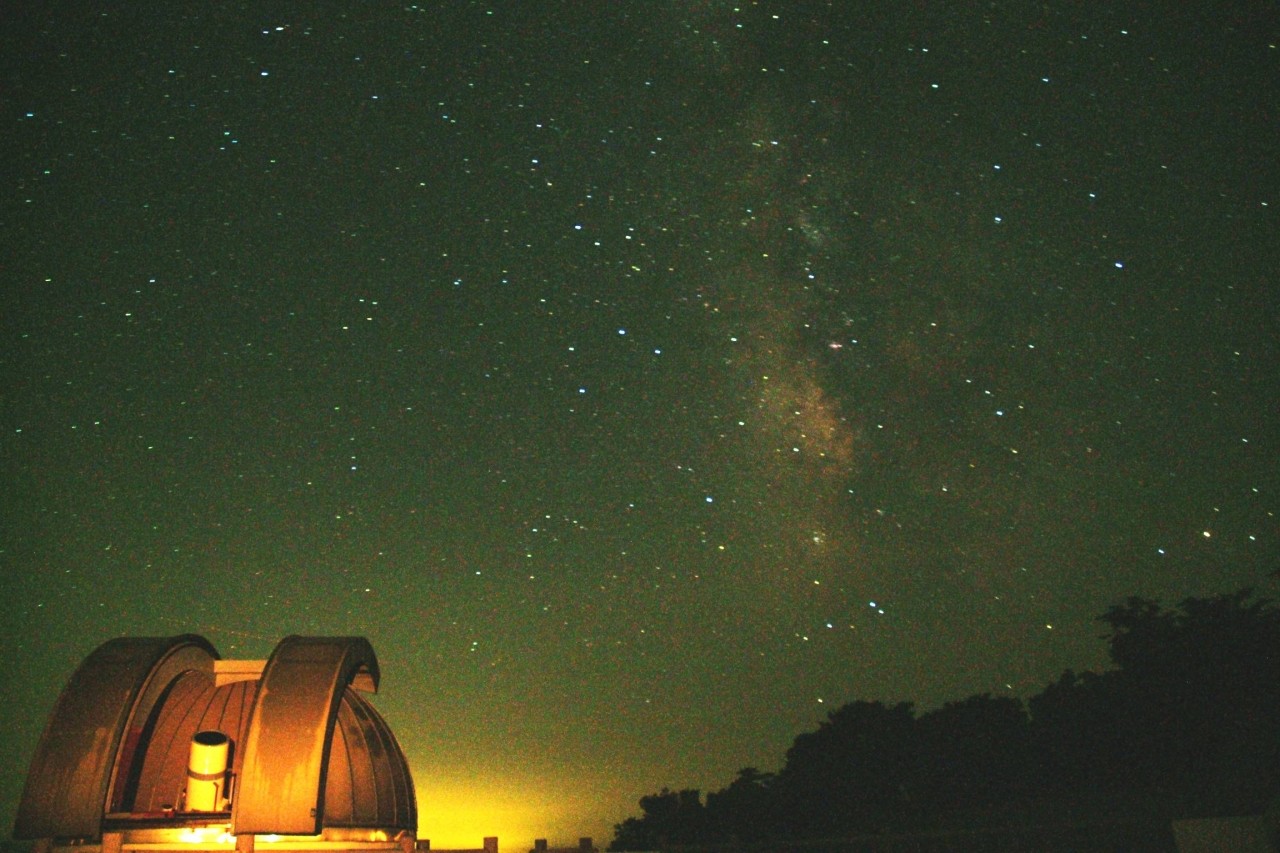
point(744, 811)
point(973, 752)
point(1185, 725)
point(1076, 733)
point(852, 773)
point(670, 817)
point(1198, 689)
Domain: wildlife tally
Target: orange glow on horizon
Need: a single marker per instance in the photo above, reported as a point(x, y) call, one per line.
point(458, 813)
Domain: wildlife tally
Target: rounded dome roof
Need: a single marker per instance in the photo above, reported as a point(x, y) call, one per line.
point(366, 774)
point(307, 751)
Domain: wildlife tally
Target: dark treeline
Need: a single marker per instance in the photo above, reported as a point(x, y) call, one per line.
point(1187, 724)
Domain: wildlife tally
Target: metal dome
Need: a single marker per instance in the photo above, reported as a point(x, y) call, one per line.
point(303, 753)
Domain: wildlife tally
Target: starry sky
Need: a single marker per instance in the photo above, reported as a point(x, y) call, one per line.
point(643, 379)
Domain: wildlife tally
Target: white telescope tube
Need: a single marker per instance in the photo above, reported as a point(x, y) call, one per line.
point(207, 771)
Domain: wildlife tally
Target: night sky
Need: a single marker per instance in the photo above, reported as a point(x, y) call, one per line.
point(643, 379)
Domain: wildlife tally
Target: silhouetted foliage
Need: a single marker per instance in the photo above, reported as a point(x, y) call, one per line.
point(1197, 690)
point(670, 817)
point(745, 810)
point(973, 752)
point(1075, 725)
point(1187, 721)
point(851, 772)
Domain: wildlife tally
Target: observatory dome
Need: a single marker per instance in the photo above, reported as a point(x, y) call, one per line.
point(158, 739)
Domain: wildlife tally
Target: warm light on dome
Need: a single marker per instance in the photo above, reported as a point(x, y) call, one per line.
point(219, 834)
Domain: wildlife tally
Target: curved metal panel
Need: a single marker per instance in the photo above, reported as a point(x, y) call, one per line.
point(282, 781)
point(368, 783)
point(192, 704)
point(91, 732)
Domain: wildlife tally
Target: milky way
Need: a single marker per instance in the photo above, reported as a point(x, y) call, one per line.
point(642, 384)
